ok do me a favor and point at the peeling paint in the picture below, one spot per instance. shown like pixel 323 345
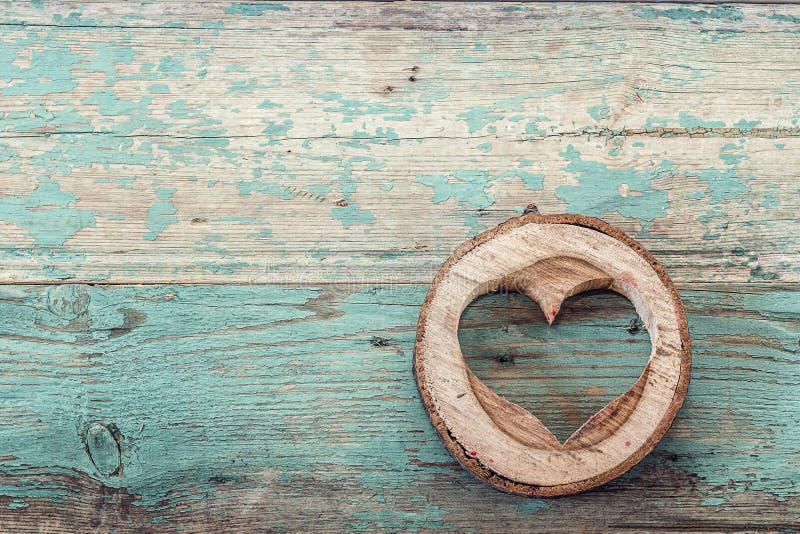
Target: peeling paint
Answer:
pixel 161 214
pixel 47 214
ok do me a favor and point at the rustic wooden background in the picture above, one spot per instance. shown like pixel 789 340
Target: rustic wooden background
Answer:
pixel 218 222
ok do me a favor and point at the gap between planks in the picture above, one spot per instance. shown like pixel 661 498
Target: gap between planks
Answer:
pixel 696 285
pixel 777 132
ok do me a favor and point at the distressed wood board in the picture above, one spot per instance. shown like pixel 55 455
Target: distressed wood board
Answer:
pixel 219 220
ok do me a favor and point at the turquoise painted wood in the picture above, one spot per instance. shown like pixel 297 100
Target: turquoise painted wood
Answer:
pixel 293 407
pixel 218 222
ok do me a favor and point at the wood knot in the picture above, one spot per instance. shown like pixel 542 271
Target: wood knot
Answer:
pixel 104 448
pixel 68 301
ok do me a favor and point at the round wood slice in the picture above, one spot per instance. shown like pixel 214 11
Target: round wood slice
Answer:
pixel 549 258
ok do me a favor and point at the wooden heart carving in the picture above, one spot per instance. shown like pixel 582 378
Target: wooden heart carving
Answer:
pixel 550 258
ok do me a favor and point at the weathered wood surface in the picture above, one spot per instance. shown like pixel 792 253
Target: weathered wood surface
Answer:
pixel 308 143
pixel 346 150
pixel 290 408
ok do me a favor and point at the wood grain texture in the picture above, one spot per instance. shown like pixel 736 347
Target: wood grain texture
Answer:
pixel 220 142
pixel 336 154
pixel 549 258
pixel 289 408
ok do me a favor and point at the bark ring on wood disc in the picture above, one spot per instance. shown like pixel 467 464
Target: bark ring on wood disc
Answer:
pixel 550 258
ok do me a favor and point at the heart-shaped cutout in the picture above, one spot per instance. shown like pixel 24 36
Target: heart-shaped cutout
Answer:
pixel 563 373
pixel 549 282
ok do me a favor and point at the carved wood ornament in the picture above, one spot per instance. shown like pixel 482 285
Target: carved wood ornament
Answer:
pixel 550 258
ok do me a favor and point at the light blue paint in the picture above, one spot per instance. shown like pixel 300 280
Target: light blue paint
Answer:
pixel 276 129
pixel 687 120
pixel 47 214
pixel 600 111
pixel 531 506
pixel 262 234
pixel 723 34
pixel 16 504
pixel 269 104
pixel 723 184
pixel 532 181
pixel 781 17
pixel 732 154
pixel 51 66
pixel 75 18
pixel 533 128
pixel 375 165
pixel 729 13
pixel 746 126
pixel 36 117
pixel 485 147
pixel 481 116
pixel 319 189
pixel 352 109
pixel 107 58
pixel 158 88
pixel 98 149
pixel 7 153
pixel 254 10
pixel 597 191
pixel 352 215
pixel 212 25
pixel 684 120
pixel 171 66
pixel 431 91
pixel 612 78
pixel 264 188
pixel 769 201
pixel 466 187
pixel 161 214
pixel 363 139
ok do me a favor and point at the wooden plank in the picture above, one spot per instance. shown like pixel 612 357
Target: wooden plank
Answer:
pixel 287 408
pixel 297 142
